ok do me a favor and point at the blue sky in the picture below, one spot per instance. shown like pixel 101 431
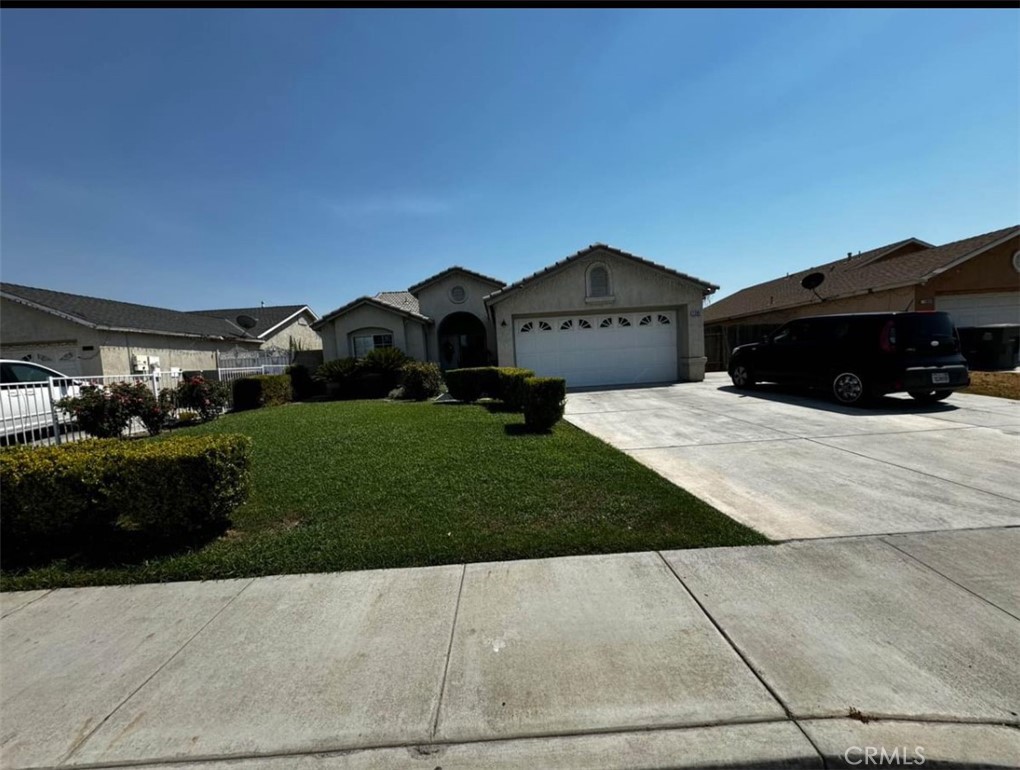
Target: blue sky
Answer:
pixel 193 158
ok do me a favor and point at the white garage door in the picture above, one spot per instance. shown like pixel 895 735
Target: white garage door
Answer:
pixel 604 349
pixel 981 309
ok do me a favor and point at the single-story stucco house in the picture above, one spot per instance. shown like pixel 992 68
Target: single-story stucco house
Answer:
pixel 79 335
pixel 599 317
pixel 976 280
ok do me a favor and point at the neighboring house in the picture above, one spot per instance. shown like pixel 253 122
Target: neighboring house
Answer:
pixel 286 327
pixel 79 335
pixel 976 280
pixel 599 317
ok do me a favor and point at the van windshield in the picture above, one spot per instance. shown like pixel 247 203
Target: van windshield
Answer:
pixel 919 330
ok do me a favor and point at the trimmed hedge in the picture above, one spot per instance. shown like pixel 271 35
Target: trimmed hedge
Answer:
pixel 511 385
pixel 421 380
pixel 262 390
pixel 90 497
pixel 472 383
pixel 543 402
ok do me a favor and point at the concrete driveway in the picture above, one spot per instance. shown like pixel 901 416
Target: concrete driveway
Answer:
pixel 792 465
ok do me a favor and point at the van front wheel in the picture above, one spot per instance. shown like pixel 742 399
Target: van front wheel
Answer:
pixel 930 396
pixel 848 388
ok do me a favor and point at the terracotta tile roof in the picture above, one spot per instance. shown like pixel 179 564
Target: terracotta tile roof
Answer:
pixel 404 300
pixel 124 316
pixel 502 293
pixel 455 269
pixel 902 263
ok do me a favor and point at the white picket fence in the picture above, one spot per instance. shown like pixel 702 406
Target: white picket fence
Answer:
pixel 29 411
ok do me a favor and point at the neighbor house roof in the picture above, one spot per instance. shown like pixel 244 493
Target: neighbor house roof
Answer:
pixel 375 302
pixel 904 263
pixel 450 270
pixel 112 315
pixel 506 290
pixel 269 318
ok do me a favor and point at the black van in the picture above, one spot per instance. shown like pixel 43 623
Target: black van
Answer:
pixel 859 355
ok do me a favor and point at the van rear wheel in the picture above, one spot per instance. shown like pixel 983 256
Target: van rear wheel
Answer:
pixel 930 396
pixel 848 388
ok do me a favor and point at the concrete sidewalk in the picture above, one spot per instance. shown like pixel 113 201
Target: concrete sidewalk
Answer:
pixel 781 655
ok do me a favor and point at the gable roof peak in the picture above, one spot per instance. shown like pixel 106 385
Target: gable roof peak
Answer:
pixel 500 294
pixel 449 271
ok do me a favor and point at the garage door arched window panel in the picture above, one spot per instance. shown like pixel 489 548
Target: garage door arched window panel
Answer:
pixel 583 324
pixel 543 326
pixel 645 321
pixel 525 328
pixel 623 321
pixel 567 325
pixel 606 323
pixel 664 320
pixel 598 282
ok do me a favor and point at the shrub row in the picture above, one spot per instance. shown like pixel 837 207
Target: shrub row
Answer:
pixel 87 496
pixel 262 390
pixel 372 376
pixel 540 398
pixel 378 374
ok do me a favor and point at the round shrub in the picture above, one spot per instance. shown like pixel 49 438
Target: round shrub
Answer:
pixel 421 380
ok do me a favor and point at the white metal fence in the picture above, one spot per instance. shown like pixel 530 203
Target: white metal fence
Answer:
pixel 229 374
pixel 29 411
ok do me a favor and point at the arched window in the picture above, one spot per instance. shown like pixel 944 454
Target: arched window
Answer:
pixel 598 281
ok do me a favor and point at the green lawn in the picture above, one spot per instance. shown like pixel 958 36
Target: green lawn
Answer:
pixel 365 484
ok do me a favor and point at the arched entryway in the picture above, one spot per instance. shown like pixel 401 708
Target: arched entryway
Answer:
pixel 462 341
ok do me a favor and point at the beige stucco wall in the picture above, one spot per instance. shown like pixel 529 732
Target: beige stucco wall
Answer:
pixel 408 334
pixel 434 301
pixel 187 353
pixel 633 286
pixel 294 332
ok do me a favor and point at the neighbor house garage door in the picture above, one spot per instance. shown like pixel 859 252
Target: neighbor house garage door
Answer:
pixel 62 358
pixel 604 349
pixel 981 309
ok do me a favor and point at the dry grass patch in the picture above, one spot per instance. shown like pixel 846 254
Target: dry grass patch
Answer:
pixel 999 384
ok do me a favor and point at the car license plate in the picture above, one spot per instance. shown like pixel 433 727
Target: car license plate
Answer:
pixel 940 378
